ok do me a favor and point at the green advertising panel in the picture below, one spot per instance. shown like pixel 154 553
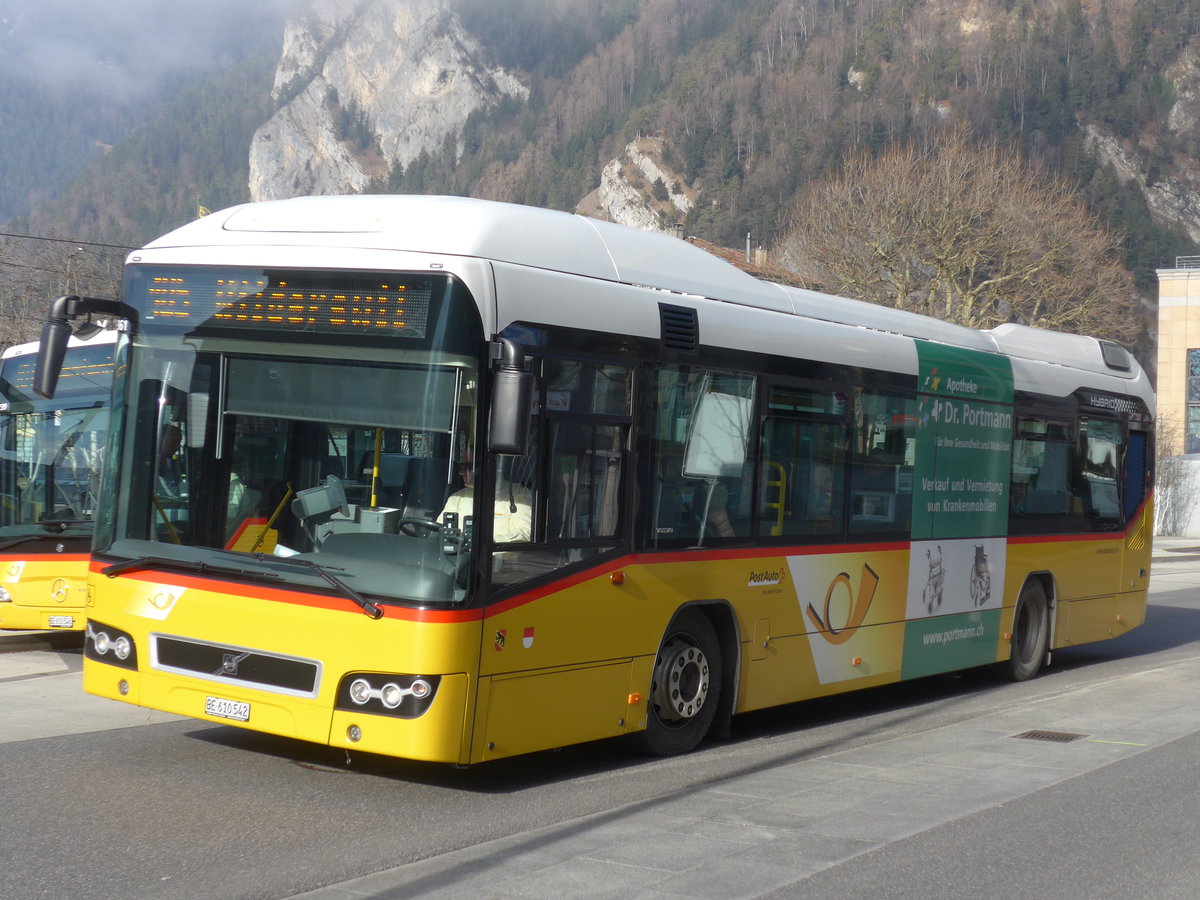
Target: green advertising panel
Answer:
pixel 947 643
pixel 964 443
pixel 959 544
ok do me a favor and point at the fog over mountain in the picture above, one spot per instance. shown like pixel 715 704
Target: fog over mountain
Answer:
pixel 125 47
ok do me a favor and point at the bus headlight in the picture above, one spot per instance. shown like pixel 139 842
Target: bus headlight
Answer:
pixel 360 691
pixel 391 695
pixel 404 696
pixel 103 643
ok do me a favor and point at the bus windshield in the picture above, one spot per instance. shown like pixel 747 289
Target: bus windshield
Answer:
pixel 312 451
pixel 51 451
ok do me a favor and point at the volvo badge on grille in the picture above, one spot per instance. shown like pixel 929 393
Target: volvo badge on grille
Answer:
pixel 230 663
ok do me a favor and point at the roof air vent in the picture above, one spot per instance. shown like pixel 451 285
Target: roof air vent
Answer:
pixel 680 327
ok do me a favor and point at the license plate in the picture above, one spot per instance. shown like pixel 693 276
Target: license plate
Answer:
pixel 227 709
pixel 62 622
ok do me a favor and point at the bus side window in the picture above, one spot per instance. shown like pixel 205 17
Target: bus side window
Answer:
pixel 883 453
pixel 575 497
pixel 1046 494
pixel 702 485
pixel 802 477
pixel 1097 479
pixel 1134 480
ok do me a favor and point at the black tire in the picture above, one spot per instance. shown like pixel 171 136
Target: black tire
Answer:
pixel 1030 632
pixel 685 686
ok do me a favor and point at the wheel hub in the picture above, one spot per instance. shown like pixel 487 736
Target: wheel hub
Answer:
pixel 680 681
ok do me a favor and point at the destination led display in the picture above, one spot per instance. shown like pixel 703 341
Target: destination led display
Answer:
pixel 327 302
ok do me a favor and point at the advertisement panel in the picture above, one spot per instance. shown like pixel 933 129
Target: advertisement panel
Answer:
pixel 960 509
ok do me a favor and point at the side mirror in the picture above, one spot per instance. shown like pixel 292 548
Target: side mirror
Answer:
pixel 512 400
pixel 57 331
pixel 52 349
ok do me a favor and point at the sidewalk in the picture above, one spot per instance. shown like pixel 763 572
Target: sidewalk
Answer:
pixel 1176 548
pixel 750 835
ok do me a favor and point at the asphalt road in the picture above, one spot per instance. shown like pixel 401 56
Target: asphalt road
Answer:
pixel 101 800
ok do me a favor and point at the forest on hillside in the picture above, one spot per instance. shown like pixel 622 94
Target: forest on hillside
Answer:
pixel 756 101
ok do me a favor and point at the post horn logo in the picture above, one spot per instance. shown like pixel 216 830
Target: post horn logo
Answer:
pixel 840 633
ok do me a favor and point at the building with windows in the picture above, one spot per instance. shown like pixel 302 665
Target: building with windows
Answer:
pixel 1177 508
pixel 1179 357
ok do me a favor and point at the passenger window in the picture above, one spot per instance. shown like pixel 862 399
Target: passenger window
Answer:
pixel 1043 498
pixel 1100 441
pixel 702 488
pixel 570 505
pixel 802 474
pixel 883 453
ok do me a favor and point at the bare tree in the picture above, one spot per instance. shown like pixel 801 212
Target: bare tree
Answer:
pixel 36 270
pixel 966 233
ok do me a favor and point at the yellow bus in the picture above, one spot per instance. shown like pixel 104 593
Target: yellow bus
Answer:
pixel 50 458
pixel 454 480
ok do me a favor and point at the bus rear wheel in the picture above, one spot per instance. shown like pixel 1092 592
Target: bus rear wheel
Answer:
pixel 1030 632
pixel 684 687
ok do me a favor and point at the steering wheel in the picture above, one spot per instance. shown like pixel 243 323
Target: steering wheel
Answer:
pixel 415 526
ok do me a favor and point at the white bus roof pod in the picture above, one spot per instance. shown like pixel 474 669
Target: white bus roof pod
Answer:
pixel 462 226
pixel 1075 350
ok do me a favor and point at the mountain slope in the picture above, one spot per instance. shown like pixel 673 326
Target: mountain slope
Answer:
pixel 530 100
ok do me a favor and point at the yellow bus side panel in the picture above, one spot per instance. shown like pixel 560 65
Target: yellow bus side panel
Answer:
pixel 553 709
pixel 787 673
pixel 1099 587
pixel 1080 569
pixel 1100 618
pixel 821 623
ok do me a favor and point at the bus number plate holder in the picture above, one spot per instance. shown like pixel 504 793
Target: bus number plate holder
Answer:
pixel 227 709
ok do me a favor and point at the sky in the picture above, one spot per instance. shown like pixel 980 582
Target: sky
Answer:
pixel 122 46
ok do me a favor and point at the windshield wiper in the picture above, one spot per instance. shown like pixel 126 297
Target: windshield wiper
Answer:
pixel 188 565
pixel 374 610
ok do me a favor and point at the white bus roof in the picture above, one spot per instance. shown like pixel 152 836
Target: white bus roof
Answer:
pixel 568 243
pixel 30 348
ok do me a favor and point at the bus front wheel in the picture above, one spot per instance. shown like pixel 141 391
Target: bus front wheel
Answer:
pixel 684 687
pixel 1030 632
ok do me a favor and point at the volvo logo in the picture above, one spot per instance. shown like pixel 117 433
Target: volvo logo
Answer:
pixel 230 663
pixel 59 590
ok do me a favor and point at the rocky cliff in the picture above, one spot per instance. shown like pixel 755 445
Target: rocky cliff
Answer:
pixel 641 190
pixel 364 85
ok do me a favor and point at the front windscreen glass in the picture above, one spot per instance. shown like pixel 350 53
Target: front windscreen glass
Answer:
pixel 291 451
pixel 51 451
